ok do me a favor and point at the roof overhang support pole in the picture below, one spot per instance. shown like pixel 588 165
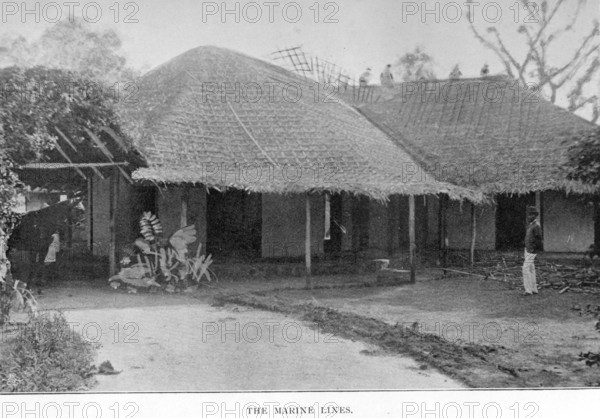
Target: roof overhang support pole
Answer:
pixel 90 212
pixel 473 233
pixel 596 200
pixel 411 237
pixel 70 230
pixel 185 197
pixel 307 245
pixel 539 205
pixel 443 230
pixel 114 204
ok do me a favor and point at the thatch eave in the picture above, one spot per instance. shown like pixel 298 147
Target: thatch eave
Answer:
pixel 565 186
pixel 376 191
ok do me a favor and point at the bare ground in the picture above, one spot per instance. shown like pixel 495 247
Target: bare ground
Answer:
pixel 478 333
pixel 483 333
pixel 187 342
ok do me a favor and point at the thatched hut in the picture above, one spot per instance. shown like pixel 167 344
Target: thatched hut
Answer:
pixel 493 135
pixel 74 167
pixel 266 163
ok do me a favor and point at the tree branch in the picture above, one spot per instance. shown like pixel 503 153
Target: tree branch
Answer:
pixel 493 47
pixel 577 54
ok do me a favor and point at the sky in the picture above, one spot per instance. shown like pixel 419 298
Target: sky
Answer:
pixel 354 34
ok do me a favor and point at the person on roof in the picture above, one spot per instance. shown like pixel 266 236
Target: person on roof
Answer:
pixel 365 78
pixel 456 73
pixel 387 78
pixel 533 246
pixel 485 71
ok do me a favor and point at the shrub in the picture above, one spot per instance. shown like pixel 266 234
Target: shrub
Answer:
pixel 15 296
pixel 154 261
pixel 46 356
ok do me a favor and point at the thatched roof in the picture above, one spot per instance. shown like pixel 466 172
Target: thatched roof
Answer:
pixel 192 131
pixel 70 163
pixel 486 133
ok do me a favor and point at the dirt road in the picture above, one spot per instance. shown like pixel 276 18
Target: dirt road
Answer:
pixel 199 347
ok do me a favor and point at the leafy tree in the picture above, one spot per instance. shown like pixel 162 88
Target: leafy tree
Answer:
pixel 71 45
pixel 47 90
pixel 569 78
pixel 583 162
pixel 414 66
pixel 38 104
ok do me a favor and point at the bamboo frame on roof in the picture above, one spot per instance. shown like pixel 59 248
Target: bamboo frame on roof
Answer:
pixel 62 166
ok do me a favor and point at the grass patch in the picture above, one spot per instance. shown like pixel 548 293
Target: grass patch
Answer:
pixel 46 355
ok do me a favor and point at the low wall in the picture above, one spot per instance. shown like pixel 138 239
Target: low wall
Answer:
pixel 169 208
pixel 568 223
pixel 266 270
pixel 459 226
pixel 284 225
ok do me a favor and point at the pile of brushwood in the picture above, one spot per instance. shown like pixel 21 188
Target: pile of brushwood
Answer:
pixel 581 276
pixel 590 358
pixel 156 262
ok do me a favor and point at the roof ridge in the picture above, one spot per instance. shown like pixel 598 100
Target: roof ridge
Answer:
pixel 497 77
pixel 239 55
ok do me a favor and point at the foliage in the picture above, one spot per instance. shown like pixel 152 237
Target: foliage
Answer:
pixel 71 45
pixel 46 356
pixel 154 261
pixel 583 158
pixel 414 66
pixel 9 185
pixel 37 104
pixel 49 84
pixel 591 359
pixel 150 227
pixel 547 25
pixel 14 295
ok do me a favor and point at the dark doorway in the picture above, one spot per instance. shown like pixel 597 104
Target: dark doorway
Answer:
pixel 143 200
pixel 511 222
pixel 596 223
pixel 360 223
pixel 234 224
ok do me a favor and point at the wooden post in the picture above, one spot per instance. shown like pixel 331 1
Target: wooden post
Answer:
pixel 473 233
pixel 307 245
pixel 392 225
pixel 596 221
pixel 69 231
pixel 440 230
pixel 185 197
pixel 539 205
pixel 114 204
pixel 443 230
pixel 411 237
pixel 90 210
